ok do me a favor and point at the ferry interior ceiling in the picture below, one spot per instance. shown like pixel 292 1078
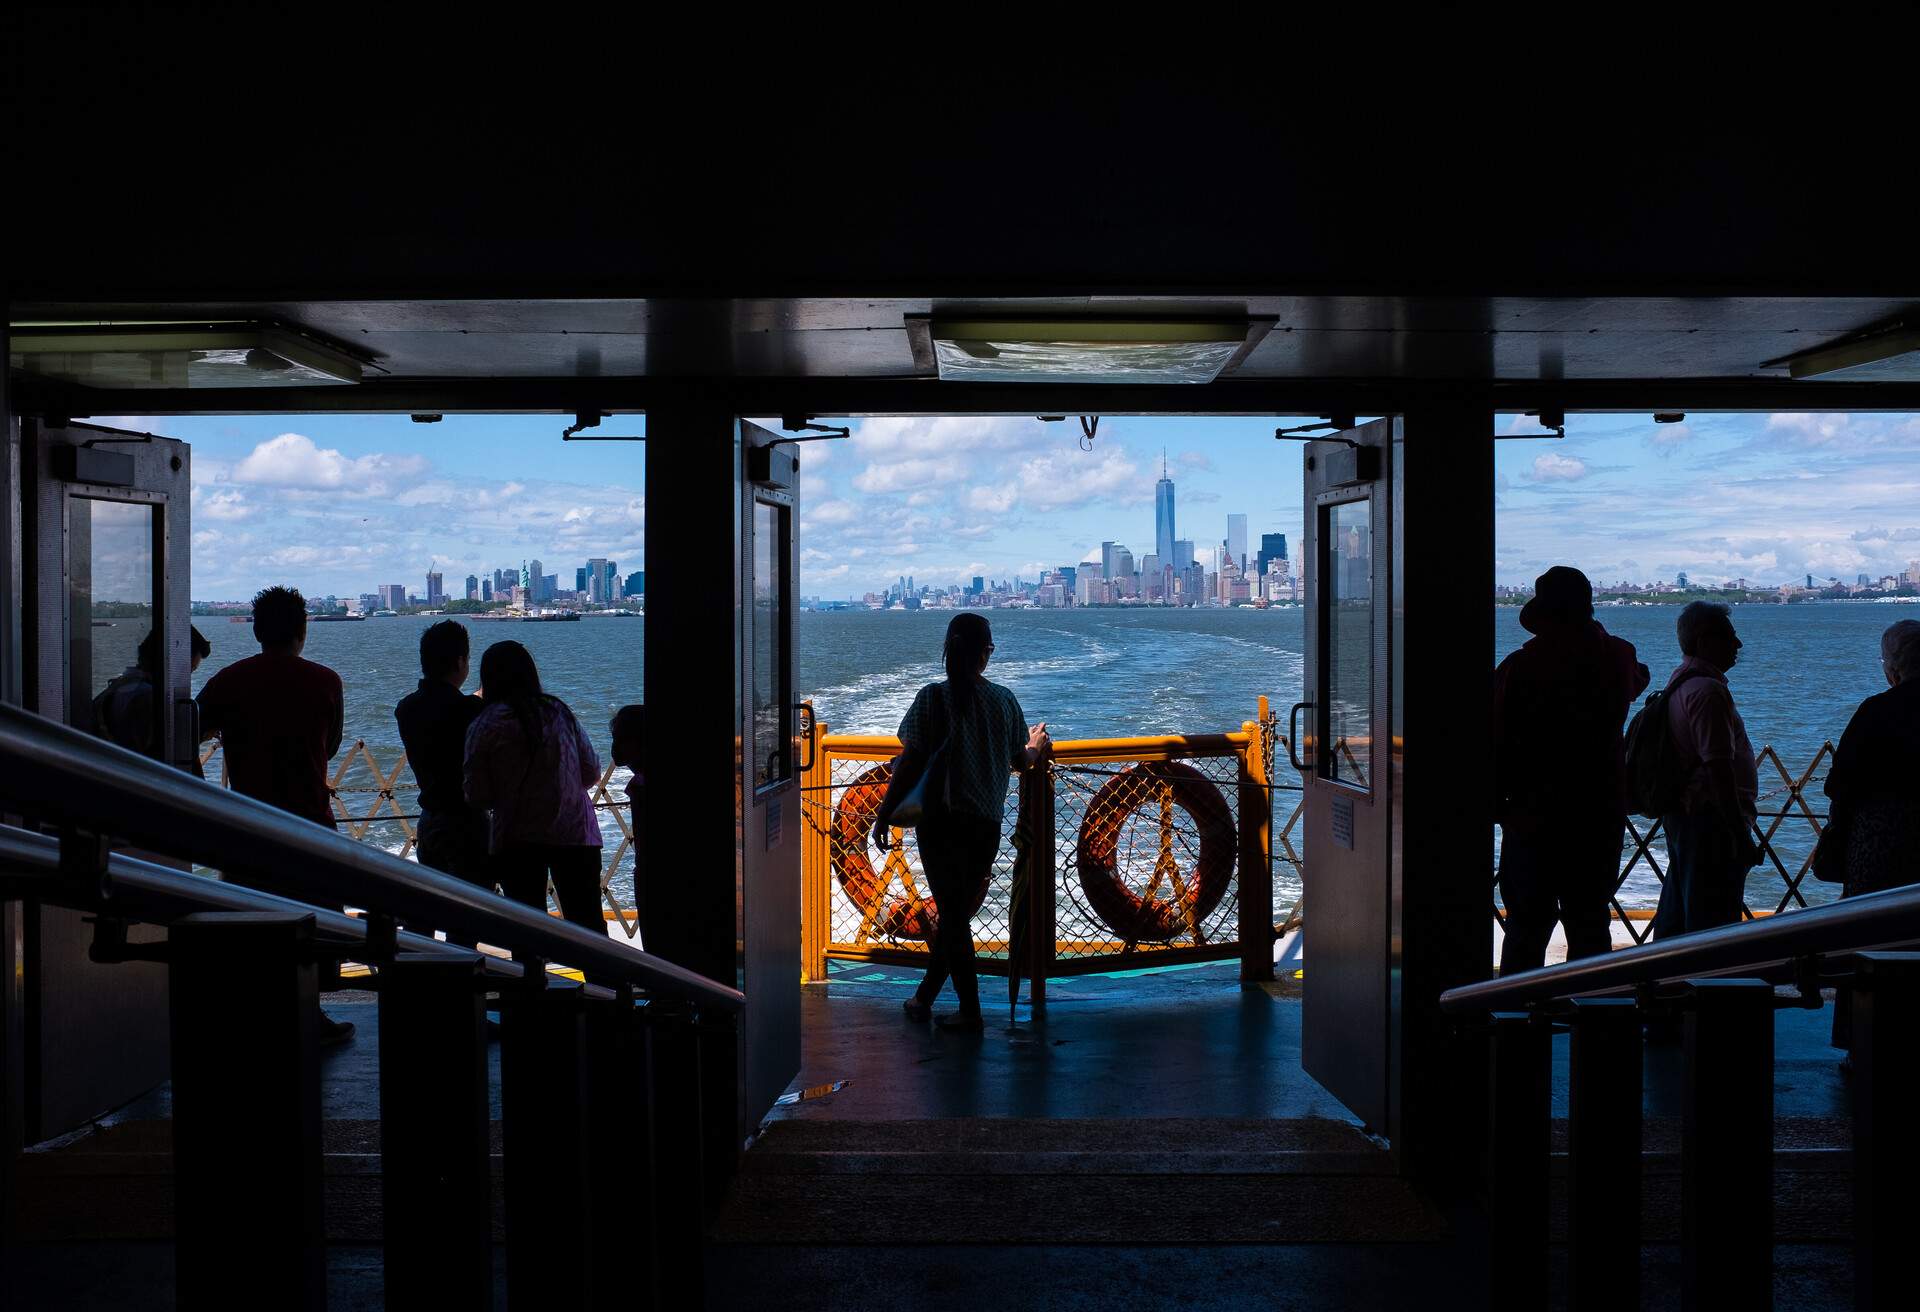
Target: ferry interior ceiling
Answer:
pixel 725 1087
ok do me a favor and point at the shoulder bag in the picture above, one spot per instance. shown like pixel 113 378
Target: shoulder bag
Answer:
pixel 931 796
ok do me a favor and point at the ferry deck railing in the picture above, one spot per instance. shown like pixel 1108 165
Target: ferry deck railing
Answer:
pixel 615 1055
pixel 1141 851
pixel 1722 986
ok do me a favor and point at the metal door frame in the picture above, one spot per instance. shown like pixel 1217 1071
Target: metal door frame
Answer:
pixel 120 1010
pixel 768 929
pixel 1349 830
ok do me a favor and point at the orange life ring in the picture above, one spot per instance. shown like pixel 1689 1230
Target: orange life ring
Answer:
pixel 901 917
pixel 1135 918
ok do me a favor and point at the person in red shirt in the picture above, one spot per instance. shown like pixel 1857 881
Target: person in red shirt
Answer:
pixel 1559 704
pixel 280 720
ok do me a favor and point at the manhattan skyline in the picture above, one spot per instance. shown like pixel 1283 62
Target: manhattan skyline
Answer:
pixel 331 503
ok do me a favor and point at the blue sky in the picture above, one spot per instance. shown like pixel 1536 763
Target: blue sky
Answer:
pixel 339 504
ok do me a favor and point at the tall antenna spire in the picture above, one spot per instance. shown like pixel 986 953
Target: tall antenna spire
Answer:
pixel 1163 462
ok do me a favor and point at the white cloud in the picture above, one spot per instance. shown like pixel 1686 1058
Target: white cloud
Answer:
pixel 992 500
pixel 224 504
pixel 1552 467
pixel 1666 437
pixel 291 460
pixel 906 475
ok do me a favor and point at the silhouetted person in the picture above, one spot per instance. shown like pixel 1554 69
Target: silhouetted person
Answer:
pixel 1559 704
pixel 279 717
pixel 529 762
pixel 987 737
pixel 1874 788
pixel 280 720
pixel 434 719
pixel 1710 845
pixel 629 730
pixel 124 711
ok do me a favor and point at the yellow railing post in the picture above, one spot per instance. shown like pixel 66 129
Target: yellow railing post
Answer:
pixel 1256 854
pixel 816 857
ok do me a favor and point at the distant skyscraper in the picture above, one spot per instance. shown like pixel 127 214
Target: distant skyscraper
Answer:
pixel 1163 513
pixel 473 587
pixel 1182 554
pixel 436 588
pixel 536 581
pixel 1237 539
pixel 598 576
pixel 1273 546
pixel 637 583
pixel 486 589
pixel 393 596
pixel 580 579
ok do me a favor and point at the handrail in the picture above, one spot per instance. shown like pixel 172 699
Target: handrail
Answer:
pixel 55 771
pixel 1855 924
pixel 149 892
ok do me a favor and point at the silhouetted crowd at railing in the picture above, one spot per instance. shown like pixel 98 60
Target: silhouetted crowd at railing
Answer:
pixel 1569 768
pixel 505 773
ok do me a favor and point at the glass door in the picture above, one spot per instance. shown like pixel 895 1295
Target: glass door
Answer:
pixel 770 837
pixel 105 542
pixel 1346 871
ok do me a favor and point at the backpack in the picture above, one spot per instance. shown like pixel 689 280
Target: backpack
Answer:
pixel 1655 779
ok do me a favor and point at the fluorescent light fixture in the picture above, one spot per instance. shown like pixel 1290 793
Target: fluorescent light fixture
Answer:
pixel 1892 356
pixel 1087 350
pixel 229 353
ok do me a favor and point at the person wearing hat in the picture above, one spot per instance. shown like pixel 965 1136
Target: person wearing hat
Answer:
pixel 1559 706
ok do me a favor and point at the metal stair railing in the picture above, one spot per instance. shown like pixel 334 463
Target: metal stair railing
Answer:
pixel 617 1059
pixel 1722 986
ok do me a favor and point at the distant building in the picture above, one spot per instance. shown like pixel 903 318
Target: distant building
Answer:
pixel 1163 531
pixel 537 581
pixel 486 589
pixel 1106 559
pixel 636 585
pixel 1237 540
pixel 1182 554
pixel 1273 546
pixel 580 580
pixel 436 588
pixel 369 601
pixel 473 587
pixel 393 596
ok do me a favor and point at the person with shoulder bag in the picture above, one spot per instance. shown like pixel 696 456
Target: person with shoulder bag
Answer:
pixel 1873 793
pixel 959 740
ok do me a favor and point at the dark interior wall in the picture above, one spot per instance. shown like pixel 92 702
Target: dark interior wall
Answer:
pixel 329 155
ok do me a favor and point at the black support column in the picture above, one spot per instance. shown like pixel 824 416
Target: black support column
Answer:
pixel 1886 1133
pixel 1520 1074
pixel 1726 1146
pixel 1603 1155
pixel 246 1112
pixel 544 1147
pixel 433 1133
pixel 1441 930
pixel 695 717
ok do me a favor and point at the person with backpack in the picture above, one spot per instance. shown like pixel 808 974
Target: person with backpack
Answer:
pixel 1560 777
pixel 1710 785
pixel 964 735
